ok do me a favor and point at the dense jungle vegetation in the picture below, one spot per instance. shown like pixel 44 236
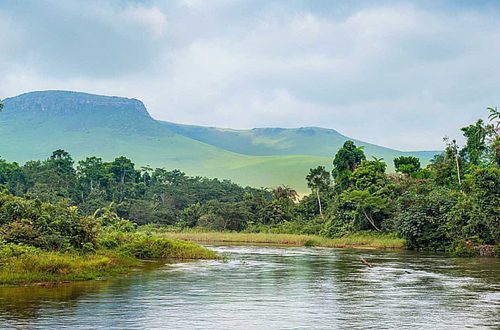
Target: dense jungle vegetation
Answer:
pixel 452 205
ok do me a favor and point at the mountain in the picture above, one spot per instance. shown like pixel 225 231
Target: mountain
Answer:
pixel 313 141
pixel 34 124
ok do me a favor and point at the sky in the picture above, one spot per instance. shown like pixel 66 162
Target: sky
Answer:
pixel 402 74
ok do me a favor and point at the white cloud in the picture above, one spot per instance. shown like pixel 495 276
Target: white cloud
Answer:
pixel 152 18
pixel 402 75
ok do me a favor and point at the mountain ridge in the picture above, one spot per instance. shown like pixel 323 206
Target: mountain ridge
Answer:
pixel 34 124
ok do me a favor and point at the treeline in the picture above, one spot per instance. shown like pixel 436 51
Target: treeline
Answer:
pixel 452 204
pixel 143 195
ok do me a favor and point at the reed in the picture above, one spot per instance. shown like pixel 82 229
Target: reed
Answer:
pixel 358 240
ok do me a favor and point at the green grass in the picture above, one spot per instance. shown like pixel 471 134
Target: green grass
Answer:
pixel 154 247
pixel 359 240
pixel 159 150
pixel 312 141
pixel 53 267
pixel 27 265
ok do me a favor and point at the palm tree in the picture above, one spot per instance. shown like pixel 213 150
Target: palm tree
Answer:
pixel 494 115
pixel 380 164
pixel 285 192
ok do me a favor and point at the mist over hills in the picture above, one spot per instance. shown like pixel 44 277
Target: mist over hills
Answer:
pixel 34 124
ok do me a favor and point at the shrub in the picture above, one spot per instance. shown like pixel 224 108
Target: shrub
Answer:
pixel 152 247
pixel 422 219
pixel 8 250
pixel 22 231
pixel 463 248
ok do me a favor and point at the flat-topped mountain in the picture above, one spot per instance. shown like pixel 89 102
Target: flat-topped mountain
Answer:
pixel 64 102
pixel 34 124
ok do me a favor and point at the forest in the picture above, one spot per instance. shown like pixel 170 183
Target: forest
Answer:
pixel 451 205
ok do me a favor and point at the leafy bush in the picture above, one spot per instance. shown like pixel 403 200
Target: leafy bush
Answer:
pixel 8 250
pixel 422 219
pixel 152 247
pixel 45 225
pixel 463 248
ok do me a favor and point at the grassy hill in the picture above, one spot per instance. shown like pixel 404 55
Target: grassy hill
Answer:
pixel 314 141
pixel 34 124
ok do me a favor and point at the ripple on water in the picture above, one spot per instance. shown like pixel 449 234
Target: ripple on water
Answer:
pixel 273 287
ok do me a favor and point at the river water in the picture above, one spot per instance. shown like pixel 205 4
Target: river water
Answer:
pixel 273 288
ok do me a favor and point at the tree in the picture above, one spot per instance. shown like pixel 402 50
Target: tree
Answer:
pixel 347 159
pixel 61 160
pixel 55 176
pixel 285 193
pixel 422 218
pixel 1 106
pixel 494 115
pixel 318 180
pixel 495 146
pixel 452 151
pixel 367 194
pixel 164 177
pixel 13 177
pixel 407 164
pixel 123 172
pixel 486 197
pixel 224 216
pixel 92 173
pixel 367 204
pixel 475 146
pixel 370 175
pixel 146 176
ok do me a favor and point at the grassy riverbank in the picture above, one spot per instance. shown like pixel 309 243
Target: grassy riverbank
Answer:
pixel 23 265
pixel 359 240
pixel 55 267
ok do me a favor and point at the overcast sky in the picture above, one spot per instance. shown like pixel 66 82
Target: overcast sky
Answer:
pixel 398 73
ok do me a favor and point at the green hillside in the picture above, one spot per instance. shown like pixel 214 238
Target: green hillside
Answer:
pixel 32 125
pixel 314 141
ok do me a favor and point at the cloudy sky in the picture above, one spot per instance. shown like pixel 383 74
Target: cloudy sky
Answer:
pixel 398 73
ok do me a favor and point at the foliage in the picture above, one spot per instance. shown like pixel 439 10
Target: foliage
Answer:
pixel 153 247
pixel 475 148
pixel 421 218
pixel 360 239
pixel 318 180
pixel 51 266
pixel 407 165
pixel 54 205
pixel 347 159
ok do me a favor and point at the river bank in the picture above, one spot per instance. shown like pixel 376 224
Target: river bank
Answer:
pixel 25 265
pixel 261 287
pixel 359 240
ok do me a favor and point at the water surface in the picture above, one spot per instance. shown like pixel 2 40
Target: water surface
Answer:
pixel 274 287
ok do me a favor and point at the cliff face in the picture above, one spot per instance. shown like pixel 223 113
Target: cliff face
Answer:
pixel 67 103
pixel 78 112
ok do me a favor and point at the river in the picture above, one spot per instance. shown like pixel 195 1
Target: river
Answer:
pixel 261 287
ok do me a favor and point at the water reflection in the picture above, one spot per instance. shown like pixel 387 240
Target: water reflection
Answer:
pixel 25 303
pixel 274 287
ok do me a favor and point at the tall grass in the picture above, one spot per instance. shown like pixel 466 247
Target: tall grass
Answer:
pixel 358 240
pixel 119 252
pixel 153 247
pixel 53 267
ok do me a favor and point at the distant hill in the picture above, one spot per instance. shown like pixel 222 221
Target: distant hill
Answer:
pixel 34 124
pixel 313 141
